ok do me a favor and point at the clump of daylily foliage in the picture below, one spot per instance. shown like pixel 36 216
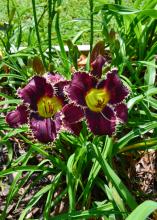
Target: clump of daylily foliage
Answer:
pixel 51 104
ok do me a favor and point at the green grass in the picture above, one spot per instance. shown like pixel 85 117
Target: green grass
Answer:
pixel 74 19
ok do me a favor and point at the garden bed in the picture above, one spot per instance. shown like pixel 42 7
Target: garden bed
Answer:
pixel 78 117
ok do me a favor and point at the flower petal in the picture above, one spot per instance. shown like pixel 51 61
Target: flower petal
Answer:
pixel 118 92
pixel 74 128
pixel 102 123
pixel 121 112
pixel 44 129
pixel 58 121
pixel 97 66
pixel 60 90
pixel 72 113
pixel 53 78
pixel 80 84
pixel 48 90
pixel 17 117
pixel 36 88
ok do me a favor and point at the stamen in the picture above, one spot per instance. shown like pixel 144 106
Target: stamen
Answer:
pixel 48 106
pixel 44 107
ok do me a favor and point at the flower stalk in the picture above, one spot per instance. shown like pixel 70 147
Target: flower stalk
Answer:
pixel 51 14
pixel 37 32
pixel 49 28
pixel 91 25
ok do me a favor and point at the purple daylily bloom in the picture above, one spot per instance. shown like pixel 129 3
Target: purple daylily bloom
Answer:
pixel 43 108
pixel 102 100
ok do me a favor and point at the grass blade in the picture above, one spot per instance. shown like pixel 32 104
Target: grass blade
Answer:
pixel 116 181
pixel 143 211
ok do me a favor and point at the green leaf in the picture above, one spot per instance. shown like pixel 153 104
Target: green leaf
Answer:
pixel 120 9
pixel 10 101
pixel 70 182
pixel 10 151
pixel 34 200
pixel 143 211
pixel 39 148
pixel 123 10
pixel 23 168
pixel 14 131
pixel 14 188
pixel 12 76
pixel 64 57
pixel 150 75
pixel 139 98
pixel 149 12
pixel 11 14
pixel 116 181
pixel 106 152
pixel 146 144
pixel 95 212
pixel 54 184
pixel 147 63
pixel 142 129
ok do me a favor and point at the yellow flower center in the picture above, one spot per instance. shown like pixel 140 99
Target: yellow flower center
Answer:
pixel 96 99
pixel 47 106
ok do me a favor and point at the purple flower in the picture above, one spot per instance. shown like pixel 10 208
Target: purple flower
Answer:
pixel 102 100
pixel 43 108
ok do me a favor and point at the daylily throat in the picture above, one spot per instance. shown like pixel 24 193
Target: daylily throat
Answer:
pixel 96 99
pixel 48 106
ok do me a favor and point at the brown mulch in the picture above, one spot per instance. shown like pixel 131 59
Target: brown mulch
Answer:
pixel 139 172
